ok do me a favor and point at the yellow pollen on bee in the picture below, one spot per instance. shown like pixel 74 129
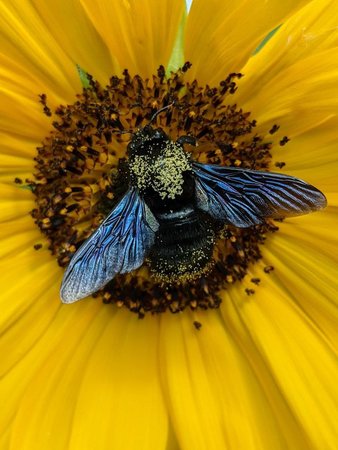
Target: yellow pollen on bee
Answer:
pixel 165 173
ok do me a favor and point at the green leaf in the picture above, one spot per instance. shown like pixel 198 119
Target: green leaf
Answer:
pixel 83 76
pixel 27 187
pixel 266 39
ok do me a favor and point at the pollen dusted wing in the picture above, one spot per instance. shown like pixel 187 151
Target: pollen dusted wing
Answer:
pixel 245 197
pixel 119 245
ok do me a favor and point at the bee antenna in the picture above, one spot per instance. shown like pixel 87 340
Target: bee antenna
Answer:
pixel 159 112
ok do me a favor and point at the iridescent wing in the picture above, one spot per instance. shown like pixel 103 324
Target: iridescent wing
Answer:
pixel 119 245
pixel 245 197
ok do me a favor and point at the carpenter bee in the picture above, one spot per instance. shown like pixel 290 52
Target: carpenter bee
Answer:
pixel 169 215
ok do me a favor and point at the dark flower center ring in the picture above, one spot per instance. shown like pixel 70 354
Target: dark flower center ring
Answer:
pixel 81 176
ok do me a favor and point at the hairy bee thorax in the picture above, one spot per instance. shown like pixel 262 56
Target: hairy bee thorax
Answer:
pixel 158 163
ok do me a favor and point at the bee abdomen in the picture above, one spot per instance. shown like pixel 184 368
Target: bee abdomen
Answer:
pixel 183 247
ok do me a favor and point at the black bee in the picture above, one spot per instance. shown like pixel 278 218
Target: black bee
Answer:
pixel 170 214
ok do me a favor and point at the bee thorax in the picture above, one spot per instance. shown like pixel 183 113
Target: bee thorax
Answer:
pixel 163 172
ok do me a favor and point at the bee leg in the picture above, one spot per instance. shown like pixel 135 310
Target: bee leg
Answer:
pixel 186 140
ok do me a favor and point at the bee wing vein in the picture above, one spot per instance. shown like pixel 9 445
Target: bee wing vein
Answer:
pixel 119 245
pixel 245 197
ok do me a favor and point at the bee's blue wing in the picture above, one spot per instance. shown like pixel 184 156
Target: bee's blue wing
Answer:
pixel 245 197
pixel 119 245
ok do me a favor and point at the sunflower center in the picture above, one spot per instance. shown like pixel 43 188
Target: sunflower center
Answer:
pixel 88 163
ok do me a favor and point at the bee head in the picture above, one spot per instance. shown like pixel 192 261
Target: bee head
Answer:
pixel 147 141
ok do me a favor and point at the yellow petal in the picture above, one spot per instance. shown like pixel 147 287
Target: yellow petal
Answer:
pixel 221 36
pixel 26 319
pixel 332 199
pixel 122 377
pixel 140 35
pixel 189 392
pixel 18 236
pixel 209 380
pixel 290 433
pixel 305 255
pixel 298 356
pixel 28 43
pixel 5 439
pixel 308 32
pixel 16 202
pixel 72 30
pixel 55 361
pixel 21 115
pixel 97 383
pixel 16 163
pixel 320 144
pixel 298 97
pixel 318 165
pixel 46 42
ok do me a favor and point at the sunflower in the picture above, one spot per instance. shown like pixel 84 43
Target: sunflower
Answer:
pixel 247 363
